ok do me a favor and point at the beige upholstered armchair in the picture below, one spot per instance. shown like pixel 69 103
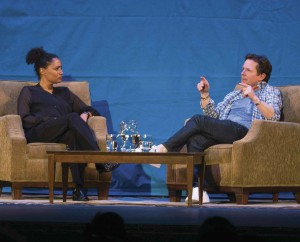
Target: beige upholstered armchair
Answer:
pixel 25 164
pixel 266 160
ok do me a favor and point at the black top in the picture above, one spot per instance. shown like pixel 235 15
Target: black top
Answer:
pixel 35 105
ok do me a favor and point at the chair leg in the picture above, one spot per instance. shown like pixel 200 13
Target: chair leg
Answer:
pixel 297 196
pixel 175 195
pixel 242 197
pixel 103 190
pixel 16 193
pixel 275 197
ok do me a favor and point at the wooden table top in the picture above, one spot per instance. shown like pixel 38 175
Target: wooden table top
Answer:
pixel 127 157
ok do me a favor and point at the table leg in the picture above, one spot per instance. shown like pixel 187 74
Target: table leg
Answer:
pixel 190 176
pixel 201 172
pixel 51 172
pixel 65 174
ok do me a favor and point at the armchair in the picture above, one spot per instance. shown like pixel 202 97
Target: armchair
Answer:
pixel 25 164
pixel 266 160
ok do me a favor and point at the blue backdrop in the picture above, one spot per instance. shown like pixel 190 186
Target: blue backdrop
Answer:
pixel 143 58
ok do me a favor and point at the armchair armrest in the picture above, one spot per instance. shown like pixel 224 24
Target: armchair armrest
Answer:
pixel 270 151
pixel 98 126
pixel 12 148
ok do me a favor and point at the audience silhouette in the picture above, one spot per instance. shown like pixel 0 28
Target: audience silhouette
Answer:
pixel 9 234
pixel 106 227
pixel 217 227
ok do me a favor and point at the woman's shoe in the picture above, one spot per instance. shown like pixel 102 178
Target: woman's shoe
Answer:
pixel 79 194
pixel 110 166
pixel 107 167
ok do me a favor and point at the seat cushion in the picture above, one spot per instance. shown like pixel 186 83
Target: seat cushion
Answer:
pixel 38 150
pixel 218 161
pixel 218 154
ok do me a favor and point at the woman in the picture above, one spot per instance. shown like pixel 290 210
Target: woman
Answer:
pixel 54 114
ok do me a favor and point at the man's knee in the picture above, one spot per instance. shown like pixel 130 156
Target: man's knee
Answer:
pixel 197 117
pixel 196 120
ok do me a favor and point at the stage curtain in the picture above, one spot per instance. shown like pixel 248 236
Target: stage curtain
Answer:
pixel 143 59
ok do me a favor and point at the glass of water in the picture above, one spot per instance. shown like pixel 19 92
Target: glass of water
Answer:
pixel 111 142
pixel 146 142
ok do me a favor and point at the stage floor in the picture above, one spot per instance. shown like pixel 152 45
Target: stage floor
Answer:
pixel 152 210
pixel 154 216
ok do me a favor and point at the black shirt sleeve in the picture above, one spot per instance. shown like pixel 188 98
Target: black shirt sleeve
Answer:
pixel 35 105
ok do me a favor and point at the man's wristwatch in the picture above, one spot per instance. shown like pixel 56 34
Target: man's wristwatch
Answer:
pixel 257 103
pixel 204 98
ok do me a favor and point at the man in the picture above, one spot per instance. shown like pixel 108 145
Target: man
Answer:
pixel 231 119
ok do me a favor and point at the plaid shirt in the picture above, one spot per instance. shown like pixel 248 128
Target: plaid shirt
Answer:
pixel 265 93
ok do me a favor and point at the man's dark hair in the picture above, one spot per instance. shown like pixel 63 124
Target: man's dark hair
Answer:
pixel 264 65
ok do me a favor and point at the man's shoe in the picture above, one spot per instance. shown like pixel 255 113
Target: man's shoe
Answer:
pixel 153 148
pixel 79 194
pixel 195 196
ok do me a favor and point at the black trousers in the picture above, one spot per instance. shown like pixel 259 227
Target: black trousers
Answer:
pixel 71 130
pixel 201 132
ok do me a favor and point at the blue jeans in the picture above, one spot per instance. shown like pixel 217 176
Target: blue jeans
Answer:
pixel 201 132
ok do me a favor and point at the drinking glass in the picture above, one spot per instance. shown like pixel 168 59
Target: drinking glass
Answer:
pixel 123 127
pixel 132 126
pixel 111 142
pixel 146 143
pixel 130 136
pixel 126 143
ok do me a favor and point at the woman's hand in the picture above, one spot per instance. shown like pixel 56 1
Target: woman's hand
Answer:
pixel 85 116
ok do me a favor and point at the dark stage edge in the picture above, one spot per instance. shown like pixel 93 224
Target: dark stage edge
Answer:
pixel 44 222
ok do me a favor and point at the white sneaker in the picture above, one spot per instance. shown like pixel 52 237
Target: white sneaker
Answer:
pixel 153 148
pixel 160 148
pixel 195 196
